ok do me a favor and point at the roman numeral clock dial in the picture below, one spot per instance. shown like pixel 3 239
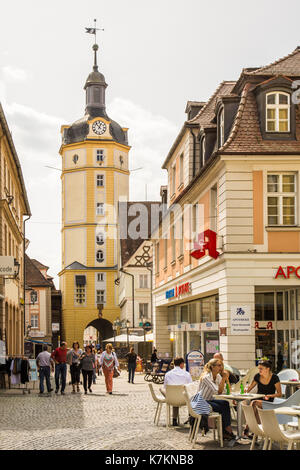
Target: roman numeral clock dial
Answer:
pixel 99 127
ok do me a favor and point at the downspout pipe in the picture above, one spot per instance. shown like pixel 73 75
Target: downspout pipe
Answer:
pixel 132 276
pixel 24 270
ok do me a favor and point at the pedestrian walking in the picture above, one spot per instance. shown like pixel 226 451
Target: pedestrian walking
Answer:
pixel 109 362
pixel 131 357
pixel 60 357
pixel 88 364
pixel 74 360
pixel 45 364
pixel 154 356
pixel 95 368
pixel 98 355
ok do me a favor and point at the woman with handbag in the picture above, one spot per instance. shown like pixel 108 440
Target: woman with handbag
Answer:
pixel 74 361
pixel 88 364
pixel 109 362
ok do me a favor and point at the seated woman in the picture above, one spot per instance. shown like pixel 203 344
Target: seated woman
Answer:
pixel 268 384
pixel 212 382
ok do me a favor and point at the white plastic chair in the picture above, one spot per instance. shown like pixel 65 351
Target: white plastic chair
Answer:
pixel 160 400
pixel 217 417
pixel 253 425
pixel 287 374
pixel 272 430
pixel 174 398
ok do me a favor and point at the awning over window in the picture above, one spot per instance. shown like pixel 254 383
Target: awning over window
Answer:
pixel 80 280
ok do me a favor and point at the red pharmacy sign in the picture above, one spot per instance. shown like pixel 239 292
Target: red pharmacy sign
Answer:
pixel 206 244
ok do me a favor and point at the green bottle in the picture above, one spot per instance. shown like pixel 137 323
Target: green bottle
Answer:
pixel 227 389
pixel 242 388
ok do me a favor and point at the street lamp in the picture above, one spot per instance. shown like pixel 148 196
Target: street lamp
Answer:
pixel 116 323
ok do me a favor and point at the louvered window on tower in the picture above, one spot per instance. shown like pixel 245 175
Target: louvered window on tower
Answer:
pixel 80 292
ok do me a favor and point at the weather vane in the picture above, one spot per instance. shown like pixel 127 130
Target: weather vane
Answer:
pixel 94 30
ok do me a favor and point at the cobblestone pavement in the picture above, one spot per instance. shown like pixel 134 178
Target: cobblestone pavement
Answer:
pixel 122 421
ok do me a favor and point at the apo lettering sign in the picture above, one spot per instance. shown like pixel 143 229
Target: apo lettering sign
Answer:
pixel 240 320
pixel 287 272
pixel 179 290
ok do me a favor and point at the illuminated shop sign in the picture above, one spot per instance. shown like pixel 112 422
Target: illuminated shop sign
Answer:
pixel 206 245
pixel 179 290
pixel 287 272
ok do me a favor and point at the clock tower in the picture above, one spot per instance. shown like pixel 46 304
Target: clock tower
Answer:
pixel 95 177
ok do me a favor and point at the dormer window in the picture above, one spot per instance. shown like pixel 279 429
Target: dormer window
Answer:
pixel 221 127
pixel 277 112
pixel 203 143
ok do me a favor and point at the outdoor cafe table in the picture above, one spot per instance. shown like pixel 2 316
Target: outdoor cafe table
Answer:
pixel 248 397
pixel 291 383
pixel 289 410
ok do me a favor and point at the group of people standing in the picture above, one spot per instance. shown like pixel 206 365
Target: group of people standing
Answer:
pixel 87 362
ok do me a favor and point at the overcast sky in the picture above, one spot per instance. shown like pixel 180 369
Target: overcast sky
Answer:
pixel 154 55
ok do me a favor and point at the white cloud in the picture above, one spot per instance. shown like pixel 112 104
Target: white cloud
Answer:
pixel 151 137
pixel 14 73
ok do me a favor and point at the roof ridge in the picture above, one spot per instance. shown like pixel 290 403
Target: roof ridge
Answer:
pixel 282 59
pixel 224 82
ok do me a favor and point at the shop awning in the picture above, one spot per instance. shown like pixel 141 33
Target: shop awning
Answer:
pixel 36 341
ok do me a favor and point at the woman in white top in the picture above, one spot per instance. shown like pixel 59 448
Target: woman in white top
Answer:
pixel 212 382
pixel 108 362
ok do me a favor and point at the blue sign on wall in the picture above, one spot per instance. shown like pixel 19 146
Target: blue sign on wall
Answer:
pixel 170 293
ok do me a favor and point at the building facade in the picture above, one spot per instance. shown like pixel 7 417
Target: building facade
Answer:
pixel 14 207
pixel 38 305
pixel 95 177
pixel 226 257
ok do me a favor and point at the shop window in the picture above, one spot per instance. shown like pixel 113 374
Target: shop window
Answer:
pixel 172 319
pixel 264 307
pixel 184 314
pixel 279 302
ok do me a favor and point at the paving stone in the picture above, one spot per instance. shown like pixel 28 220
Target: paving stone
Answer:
pixel 122 421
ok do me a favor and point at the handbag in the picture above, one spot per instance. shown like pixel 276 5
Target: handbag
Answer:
pixel 116 373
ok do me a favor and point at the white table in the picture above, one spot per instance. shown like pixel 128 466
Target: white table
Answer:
pixel 288 410
pixel 248 397
pixel 291 383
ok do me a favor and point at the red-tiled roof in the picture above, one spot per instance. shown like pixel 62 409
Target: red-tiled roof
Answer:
pixel 245 136
pixel 33 276
pixel 288 65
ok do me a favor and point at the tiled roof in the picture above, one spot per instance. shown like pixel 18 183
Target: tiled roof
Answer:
pixel 39 265
pixel 34 277
pixel 245 136
pixel 288 65
pixel 207 113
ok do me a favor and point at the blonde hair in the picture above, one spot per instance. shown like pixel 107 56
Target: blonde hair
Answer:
pixel 209 367
pixel 109 346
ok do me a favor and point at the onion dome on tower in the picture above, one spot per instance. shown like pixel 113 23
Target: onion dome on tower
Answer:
pixel 95 87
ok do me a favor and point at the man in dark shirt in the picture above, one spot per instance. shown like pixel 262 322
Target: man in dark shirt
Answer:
pixel 60 357
pixel 154 356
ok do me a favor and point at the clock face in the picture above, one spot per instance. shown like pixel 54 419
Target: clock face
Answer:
pixel 99 127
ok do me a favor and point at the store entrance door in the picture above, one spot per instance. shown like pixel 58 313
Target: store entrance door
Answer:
pixel 265 344
pixel 211 344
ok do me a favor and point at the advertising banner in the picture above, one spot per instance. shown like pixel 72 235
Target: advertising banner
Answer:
pixel 195 363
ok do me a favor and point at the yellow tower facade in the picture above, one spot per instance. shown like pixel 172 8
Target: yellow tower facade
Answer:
pixel 95 177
